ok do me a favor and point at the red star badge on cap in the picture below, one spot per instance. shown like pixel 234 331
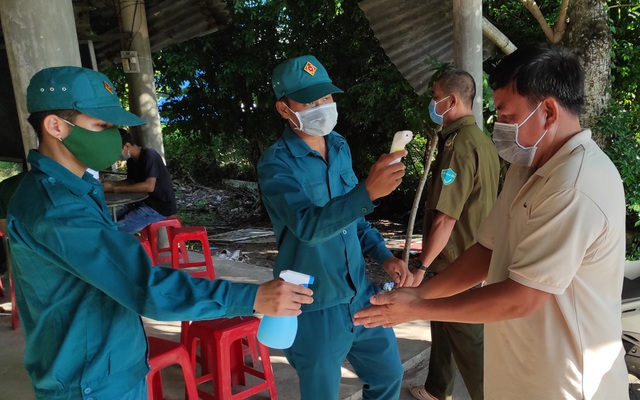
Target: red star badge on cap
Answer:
pixel 310 68
pixel 108 87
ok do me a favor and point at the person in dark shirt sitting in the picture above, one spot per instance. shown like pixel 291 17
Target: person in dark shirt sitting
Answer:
pixel 146 172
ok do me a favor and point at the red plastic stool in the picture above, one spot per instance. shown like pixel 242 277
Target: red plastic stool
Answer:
pixel 143 239
pixel 144 233
pixel 163 353
pixel 222 357
pixel 178 239
pixel 152 232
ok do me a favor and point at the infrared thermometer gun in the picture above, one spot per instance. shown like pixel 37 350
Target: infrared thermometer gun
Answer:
pixel 400 140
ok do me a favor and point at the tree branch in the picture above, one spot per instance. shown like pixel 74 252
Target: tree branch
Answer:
pixel 497 37
pixel 533 8
pixel 561 24
pixel 433 141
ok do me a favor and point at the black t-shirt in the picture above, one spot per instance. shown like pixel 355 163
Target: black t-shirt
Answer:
pixel 150 165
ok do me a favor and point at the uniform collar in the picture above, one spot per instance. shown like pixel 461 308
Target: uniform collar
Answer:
pixel 457 124
pixel 575 141
pixel 46 165
pixel 299 148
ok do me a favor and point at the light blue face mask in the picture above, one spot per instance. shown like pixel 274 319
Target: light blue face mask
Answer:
pixel 435 117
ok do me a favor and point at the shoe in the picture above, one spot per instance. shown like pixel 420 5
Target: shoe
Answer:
pixel 420 393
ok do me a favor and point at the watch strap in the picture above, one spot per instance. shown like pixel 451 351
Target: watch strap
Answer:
pixel 418 265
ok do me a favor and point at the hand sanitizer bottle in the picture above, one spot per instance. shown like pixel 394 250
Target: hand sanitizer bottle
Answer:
pixel 280 332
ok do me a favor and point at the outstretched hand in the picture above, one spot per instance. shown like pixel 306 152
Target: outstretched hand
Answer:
pixel 398 271
pixel 277 297
pixel 385 177
pixel 390 308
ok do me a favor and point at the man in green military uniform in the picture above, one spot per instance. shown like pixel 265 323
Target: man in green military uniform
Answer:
pixel 82 285
pixel 463 189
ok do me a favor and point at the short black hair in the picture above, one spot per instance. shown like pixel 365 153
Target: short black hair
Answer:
pixel 459 82
pixel 541 71
pixel 126 136
pixel 37 118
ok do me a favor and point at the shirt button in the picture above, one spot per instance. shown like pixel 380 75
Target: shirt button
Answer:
pixel 94 191
pixel 87 391
pixel 364 210
pixel 344 232
pixel 52 179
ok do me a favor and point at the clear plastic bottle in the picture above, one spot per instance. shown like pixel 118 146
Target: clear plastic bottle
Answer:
pixel 280 332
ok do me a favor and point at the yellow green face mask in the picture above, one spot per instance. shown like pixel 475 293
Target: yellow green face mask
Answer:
pixel 95 149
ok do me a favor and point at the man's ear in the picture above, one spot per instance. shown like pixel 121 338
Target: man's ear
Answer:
pixel 550 107
pixel 282 108
pixel 53 125
pixel 454 100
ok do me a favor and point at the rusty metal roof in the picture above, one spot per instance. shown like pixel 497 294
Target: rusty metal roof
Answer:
pixel 169 22
pixel 413 33
pixel 416 35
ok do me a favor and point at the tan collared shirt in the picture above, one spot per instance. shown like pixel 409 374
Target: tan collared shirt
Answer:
pixel 560 229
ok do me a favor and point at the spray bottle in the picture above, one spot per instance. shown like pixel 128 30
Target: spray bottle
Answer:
pixel 280 332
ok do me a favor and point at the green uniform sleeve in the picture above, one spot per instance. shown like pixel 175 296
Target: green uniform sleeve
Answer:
pixel 453 182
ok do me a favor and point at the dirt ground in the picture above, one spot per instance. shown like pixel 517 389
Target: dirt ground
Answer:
pixel 229 208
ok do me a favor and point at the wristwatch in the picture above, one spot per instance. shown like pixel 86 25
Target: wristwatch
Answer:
pixel 418 265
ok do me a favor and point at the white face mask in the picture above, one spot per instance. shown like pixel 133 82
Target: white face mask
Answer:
pixel 317 121
pixel 505 137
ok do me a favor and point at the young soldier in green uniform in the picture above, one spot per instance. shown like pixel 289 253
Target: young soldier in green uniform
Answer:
pixel 462 192
pixel 318 211
pixel 82 285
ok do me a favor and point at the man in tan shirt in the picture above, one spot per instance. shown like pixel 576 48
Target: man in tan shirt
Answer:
pixel 551 250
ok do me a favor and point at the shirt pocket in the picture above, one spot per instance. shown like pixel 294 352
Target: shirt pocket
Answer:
pixel 349 180
pixel 316 191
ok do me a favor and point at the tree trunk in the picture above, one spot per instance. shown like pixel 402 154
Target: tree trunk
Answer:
pixel 588 31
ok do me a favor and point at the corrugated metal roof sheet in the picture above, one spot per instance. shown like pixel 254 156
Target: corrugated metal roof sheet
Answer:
pixel 414 34
pixel 169 22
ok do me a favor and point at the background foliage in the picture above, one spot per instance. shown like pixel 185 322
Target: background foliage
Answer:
pixel 220 114
pixel 619 124
pixel 218 109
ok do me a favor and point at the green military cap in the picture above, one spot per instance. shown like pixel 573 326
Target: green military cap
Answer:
pixel 302 79
pixel 81 89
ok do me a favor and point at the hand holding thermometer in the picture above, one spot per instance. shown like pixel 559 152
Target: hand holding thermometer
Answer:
pixel 400 140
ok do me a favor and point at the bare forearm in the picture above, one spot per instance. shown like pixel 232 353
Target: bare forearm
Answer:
pixel 439 235
pixel 467 271
pixel 127 186
pixel 497 302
